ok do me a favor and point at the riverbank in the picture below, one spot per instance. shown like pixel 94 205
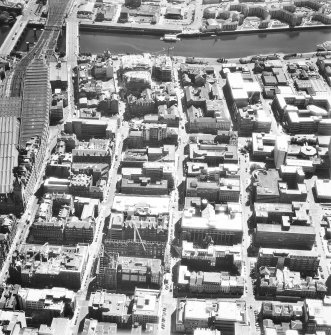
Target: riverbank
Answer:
pixel 161 30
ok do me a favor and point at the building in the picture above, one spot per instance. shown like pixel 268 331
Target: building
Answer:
pixel 108 307
pixel 61 219
pixel 12 322
pixel 8 227
pixel 281 150
pixel 93 327
pixel 304 114
pixel 269 187
pixel 126 273
pixel 213 153
pixel 174 13
pixel 201 170
pixel 204 223
pixel 282 284
pixel 51 265
pixel 44 305
pixel 275 213
pixel 241 93
pixel 147 215
pixel 86 129
pixel 93 151
pixel 144 186
pixel 150 227
pixel 196 313
pixel 215 117
pixel 252 118
pixel 204 284
pixel 301 261
pixel 263 145
pixel 58 75
pixel 138 157
pixel 323 190
pixel 316 315
pixel 227 258
pixel 143 309
pixel 139 271
pixel 282 312
pixel 146 306
pixel 162 69
pixel 284 235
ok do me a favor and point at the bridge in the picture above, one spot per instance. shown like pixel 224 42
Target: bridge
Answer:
pixel 46 42
pixel 13 36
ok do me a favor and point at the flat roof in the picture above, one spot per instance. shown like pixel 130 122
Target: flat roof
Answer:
pixel 196 310
pixel 152 204
pixel 276 228
pixel 223 218
pixel 323 188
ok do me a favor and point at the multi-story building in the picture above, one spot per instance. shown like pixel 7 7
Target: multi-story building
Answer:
pixel 126 273
pixel 282 284
pixel 61 220
pixel 146 306
pixel 302 261
pixel 252 118
pixel 8 226
pixel 222 315
pixel 323 190
pixel 222 190
pixel 142 105
pixel 108 307
pixel 263 145
pixel 38 266
pixel 284 235
pixel 93 151
pixel 44 305
pixel 93 327
pixel 269 187
pixel 296 212
pixel 221 257
pixel 213 153
pixel 86 129
pixel 138 157
pixel 226 170
pixel 215 117
pixel 221 224
pixel 241 93
pixel 282 312
pixel 144 186
pixel 147 215
pixel 162 69
pixel 139 271
pixel 317 315
pixel 15 319
pixel 202 284
pixel 304 114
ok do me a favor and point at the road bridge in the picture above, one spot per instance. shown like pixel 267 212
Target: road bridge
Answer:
pixel 14 36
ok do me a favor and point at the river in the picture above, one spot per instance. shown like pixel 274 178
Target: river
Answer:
pixel 227 46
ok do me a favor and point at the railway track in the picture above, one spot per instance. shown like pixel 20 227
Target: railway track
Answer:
pixel 47 41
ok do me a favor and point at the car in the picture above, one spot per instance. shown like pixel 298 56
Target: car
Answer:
pixel 221 60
